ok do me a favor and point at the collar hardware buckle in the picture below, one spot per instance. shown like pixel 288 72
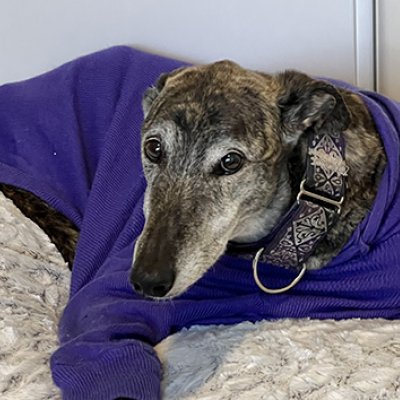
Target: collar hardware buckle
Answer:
pixel 304 192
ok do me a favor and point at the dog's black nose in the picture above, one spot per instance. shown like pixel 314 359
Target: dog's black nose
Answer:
pixel 154 284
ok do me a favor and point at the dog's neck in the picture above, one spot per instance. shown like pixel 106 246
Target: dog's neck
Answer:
pixel 317 205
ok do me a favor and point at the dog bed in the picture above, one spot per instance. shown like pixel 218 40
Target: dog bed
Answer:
pixel 286 359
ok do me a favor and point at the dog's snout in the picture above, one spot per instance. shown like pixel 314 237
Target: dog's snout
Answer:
pixel 155 284
pixel 154 259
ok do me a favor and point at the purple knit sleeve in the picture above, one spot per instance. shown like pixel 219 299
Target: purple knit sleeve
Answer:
pixel 107 335
pixel 107 372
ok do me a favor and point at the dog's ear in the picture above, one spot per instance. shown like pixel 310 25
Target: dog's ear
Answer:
pixel 152 93
pixel 305 102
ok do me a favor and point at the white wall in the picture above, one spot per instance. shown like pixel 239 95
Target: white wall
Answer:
pixel 317 36
pixel 388 44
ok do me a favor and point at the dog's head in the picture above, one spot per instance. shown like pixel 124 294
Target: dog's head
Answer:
pixel 215 146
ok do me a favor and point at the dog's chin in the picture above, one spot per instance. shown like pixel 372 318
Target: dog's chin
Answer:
pixel 181 285
pixel 176 291
pixel 171 295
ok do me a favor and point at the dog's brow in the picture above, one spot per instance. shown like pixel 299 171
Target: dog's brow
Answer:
pixel 222 147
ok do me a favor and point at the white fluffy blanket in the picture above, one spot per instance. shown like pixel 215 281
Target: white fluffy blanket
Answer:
pixel 289 359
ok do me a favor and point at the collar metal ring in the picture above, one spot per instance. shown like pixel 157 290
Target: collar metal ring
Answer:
pixel 274 291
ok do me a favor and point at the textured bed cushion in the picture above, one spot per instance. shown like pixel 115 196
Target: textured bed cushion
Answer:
pixel 33 289
pixel 297 359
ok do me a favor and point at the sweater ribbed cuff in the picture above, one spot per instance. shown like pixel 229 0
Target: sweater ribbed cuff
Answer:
pixel 132 371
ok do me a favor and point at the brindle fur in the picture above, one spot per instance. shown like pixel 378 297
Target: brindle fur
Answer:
pixel 61 231
pixel 200 114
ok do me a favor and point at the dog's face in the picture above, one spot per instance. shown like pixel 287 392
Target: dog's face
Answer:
pixel 215 144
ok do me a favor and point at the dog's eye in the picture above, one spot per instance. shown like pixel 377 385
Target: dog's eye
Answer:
pixel 152 150
pixel 230 164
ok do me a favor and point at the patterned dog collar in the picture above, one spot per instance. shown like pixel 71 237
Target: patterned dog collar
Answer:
pixel 317 208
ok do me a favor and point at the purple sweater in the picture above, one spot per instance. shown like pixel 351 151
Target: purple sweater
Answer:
pixel 72 136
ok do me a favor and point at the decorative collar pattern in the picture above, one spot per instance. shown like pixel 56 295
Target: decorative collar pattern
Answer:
pixel 316 210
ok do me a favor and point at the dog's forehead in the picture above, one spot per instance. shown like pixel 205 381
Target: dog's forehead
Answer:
pixel 180 127
pixel 211 107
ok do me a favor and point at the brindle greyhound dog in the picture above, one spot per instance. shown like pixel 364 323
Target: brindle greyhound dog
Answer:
pixel 224 151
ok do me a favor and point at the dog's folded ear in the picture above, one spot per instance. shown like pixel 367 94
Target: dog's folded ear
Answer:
pixel 152 92
pixel 305 102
